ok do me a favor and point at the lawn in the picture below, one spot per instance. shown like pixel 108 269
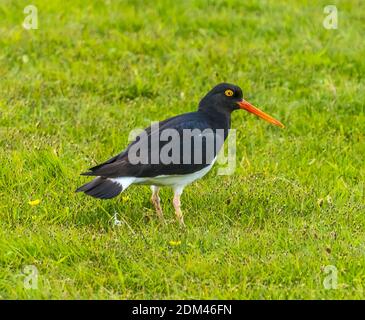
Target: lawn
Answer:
pixel 72 90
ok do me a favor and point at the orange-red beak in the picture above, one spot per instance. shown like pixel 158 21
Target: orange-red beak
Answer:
pixel 250 108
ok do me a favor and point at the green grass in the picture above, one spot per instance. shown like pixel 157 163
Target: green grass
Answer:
pixel 72 91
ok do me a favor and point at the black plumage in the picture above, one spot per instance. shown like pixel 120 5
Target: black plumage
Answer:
pixel 189 161
pixel 101 188
pixel 210 115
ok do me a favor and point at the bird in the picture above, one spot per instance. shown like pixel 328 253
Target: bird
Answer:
pixel 165 155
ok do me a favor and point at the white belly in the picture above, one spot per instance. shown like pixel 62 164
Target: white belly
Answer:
pixel 173 180
pixel 164 180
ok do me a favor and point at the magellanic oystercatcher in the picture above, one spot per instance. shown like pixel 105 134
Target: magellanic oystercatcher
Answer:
pixel 174 152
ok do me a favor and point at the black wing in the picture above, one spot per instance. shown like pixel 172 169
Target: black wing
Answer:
pixel 130 163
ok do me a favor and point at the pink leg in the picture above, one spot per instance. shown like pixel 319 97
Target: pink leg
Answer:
pixel 156 202
pixel 177 205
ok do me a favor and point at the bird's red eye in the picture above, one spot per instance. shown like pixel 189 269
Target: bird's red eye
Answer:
pixel 228 93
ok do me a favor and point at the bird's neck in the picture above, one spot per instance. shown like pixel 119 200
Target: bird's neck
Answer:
pixel 219 119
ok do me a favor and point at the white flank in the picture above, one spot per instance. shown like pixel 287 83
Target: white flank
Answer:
pixel 164 180
pixel 174 180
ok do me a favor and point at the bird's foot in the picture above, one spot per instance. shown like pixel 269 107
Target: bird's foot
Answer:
pixel 180 217
pixel 181 222
pixel 177 206
pixel 156 202
pixel 161 218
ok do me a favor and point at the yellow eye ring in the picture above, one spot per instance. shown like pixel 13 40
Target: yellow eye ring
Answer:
pixel 228 93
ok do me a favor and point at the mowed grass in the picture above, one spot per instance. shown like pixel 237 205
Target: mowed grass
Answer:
pixel 72 91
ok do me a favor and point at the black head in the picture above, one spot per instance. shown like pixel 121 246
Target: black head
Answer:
pixel 222 98
pixel 225 98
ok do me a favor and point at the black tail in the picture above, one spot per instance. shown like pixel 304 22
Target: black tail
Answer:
pixel 101 188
